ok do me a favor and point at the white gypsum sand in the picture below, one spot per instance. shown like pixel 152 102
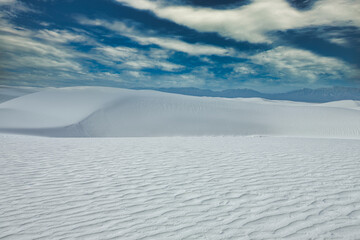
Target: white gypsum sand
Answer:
pixel 179 188
pixel 290 170
pixel 112 112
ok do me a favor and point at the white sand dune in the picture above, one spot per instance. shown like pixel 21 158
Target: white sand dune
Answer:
pixel 203 187
pixel 179 188
pixel 112 112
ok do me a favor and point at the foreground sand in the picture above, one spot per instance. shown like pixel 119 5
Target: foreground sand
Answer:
pixel 179 188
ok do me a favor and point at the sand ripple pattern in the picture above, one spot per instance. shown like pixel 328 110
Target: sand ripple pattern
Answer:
pixel 179 188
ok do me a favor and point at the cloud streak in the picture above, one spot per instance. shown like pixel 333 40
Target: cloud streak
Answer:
pixel 290 64
pixel 49 57
pixel 146 38
pixel 254 21
pixel 134 59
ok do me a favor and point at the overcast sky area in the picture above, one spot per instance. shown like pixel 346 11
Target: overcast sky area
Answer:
pixel 270 46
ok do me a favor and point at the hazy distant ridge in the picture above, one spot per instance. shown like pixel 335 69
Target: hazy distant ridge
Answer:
pixel 303 95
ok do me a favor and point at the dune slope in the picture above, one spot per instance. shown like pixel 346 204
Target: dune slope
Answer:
pixel 113 112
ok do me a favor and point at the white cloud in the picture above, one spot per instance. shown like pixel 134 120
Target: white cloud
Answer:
pixel 136 74
pixel 301 65
pixel 132 58
pixel 242 69
pixel 61 36
pixel 7 2
pixel 26 52
pixel 31 51
pixel 180 46
pixel 252 22
pixel 12 7
pixel 164 42
pixel 339 37
pixel 47 63
pixel 28 46
pixel 118 53
pixel 339 41
pixel 48 57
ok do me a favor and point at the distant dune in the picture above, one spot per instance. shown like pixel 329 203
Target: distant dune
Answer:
pixel 113 112
pixel 8 92
pixel 319 95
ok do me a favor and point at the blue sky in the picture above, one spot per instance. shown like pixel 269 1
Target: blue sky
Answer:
pixel 271 46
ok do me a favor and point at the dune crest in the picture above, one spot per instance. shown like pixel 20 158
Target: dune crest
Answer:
pixel 113 112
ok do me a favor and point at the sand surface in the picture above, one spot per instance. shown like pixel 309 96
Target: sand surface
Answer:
pixel 179 188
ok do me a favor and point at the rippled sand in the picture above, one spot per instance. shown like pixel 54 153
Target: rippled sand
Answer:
pixel 179 188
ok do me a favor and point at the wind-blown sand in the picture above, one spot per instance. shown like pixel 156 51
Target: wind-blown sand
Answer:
pixel 112 112
pixel 179 188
